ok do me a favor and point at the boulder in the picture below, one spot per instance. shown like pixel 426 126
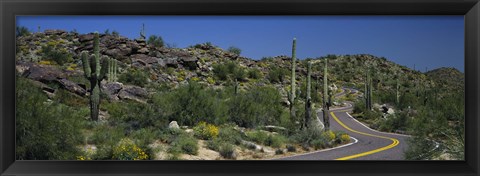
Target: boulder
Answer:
pixel 144 59
pixel 86 37
pixel 133 93
pixel 143 50
pixel 43 73
pixel 72 87
pixel 173 125
pixel 112 89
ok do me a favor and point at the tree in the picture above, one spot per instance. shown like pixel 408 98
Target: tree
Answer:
pixel 22 31
pixel 234 49
pixel 155 41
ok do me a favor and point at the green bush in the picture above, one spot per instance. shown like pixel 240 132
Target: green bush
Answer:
pixel 126 149
pixel 45 130
pixel 229 71
pixel 190 104
pixel 230 135
pixel 277 74
pixel 227 151
pixel 234 49
pixel 186 144
pixel 258 107
pixel 276 141
pixel 135 77
pixel 205 131
pixel 155 41
pixel 258 136
pixel 22 31
pixel 254 73
pixel 52 53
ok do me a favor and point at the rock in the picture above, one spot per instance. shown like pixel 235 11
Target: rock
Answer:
pixel 86 37
pixel 143 50
pixel 173 125
pixel 144 59
pixel 119 53
pixel 251 145
pixel 54 32
pixel 72 87
pixel 112 89
pixel 44 73
pixel 390 111
pixel 170 62
pixel 133 93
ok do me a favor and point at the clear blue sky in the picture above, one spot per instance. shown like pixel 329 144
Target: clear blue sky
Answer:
pixel 426 41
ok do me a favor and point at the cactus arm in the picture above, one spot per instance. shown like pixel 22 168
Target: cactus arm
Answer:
pixel 86 64
pixel 96 51
pixel 104 69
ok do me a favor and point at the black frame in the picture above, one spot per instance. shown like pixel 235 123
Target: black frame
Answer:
pixel 9 9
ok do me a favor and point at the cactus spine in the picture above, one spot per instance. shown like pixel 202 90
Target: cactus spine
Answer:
pixel 308 103
pixel 326 119
pixel 95 73
pixel 292 91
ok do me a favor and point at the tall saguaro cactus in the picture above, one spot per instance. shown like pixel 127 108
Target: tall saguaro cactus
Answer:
pixel 326 119
pixel 308 103
pixel 292 91
pixel 368 90
pixel 95 73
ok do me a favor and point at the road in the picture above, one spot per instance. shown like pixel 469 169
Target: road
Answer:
pixel 367 144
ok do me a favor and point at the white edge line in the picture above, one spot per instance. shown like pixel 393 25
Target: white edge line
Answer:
pixel 319 151
pixel 376 130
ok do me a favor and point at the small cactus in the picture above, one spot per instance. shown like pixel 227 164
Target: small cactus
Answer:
pixel 142 32
pixel 112 70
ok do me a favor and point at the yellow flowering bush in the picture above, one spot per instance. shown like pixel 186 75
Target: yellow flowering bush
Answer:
pixel 83 158
pixel 210 80
pixel 330 135
pixel 205 131
pixel 46 62
pixel 195 79
pixel 126 149
pixel 345 138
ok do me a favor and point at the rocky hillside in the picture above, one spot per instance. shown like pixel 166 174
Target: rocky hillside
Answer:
pixel 52 57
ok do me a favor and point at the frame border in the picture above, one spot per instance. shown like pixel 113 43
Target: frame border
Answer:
pixel 10 9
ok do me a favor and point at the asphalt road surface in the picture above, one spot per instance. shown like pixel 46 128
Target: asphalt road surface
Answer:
pixel 367 144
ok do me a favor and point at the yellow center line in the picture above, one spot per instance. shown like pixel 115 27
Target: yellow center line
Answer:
pixel 393 144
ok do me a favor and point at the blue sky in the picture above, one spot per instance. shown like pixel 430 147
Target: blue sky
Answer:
pixel 426 41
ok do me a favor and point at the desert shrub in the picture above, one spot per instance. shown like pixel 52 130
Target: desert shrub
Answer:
pixel 227 151
pixel 320 143
pixel 155 41
pixel 22 31
pixel 276 141
pixel 185 144
pixel 205 131
pixel 190 104
pixel 135 77
pixel 234 50
pixel 254 73
pixel 230 135
pixel 60 56
pixel 257 136
pixel 341 137
pixel 134 114
pixel 278 152
pixel 214 144
pixel 45 130
pixel 229 71
pixel 126 149
pixel 306 137
pixel 258 107
pixel 276 74
pixel 329 135
pixel 210 80
pixel 143 137
pixel 291 148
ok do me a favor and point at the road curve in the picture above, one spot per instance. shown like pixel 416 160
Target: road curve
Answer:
pixel 371 144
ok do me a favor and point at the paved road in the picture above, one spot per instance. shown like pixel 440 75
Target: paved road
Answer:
pixel 371 144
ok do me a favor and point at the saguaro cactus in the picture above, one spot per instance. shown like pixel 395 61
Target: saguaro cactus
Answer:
pixel 112 70
pixel 142 32
pixel 292 91
pixel 397 92
pixel 95 73
pixel 326 119
pixel 308 103
pixel 368 90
